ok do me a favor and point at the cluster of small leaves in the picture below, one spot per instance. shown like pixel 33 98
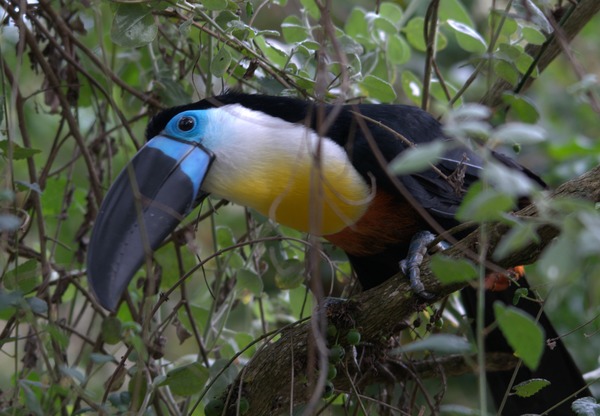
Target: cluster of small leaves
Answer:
pixel 371 51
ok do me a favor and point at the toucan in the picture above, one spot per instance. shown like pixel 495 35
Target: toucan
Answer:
pixel 319 168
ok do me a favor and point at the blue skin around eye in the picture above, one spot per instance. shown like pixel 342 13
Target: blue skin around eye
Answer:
pixel 196 133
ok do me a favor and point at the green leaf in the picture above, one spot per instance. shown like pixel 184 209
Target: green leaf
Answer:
pixel 184 28
pixel 437 92
pixel 31 399
pixel 532 35
pixel 519 133
pixel 414 33
pixel 449 270
pixel 509 27
pixel 524 62
pixel 58 334
pixel 18 152
pixel 137 388
pixel 560 259
pixel 99 358
pixel 73 373
pixel 377 88
pixel 412 87
pixel 509 52
pixel 469 128
pixel 170 91
pixel 356 26
pixel 523 333
pixel 187 380
pixel 277 56
pixel 518 237
pixel 530 387
pixel 290 274
pixel 506 71
pixel 530 12
pixel 111 330
pixel 454 10
pixel 214 407
pixel 24 277
pixel 225 18
pixel 121 400
pixel 37 305
pixel 471 112
pixel 483 205
pixel 507 181
pixel 418 158
pixel 380 22
pixel 244 340
pixel 293 30
pixel 220 62
pixel 586 406
pixel 249 9
pixel 311 7
pixel 397 50
pixel 349 45
pixel 215 4
pixel 22 186
pixel 439 343
pixel 242 31
pixel 8 301
pixel 248 280
pixel 304 82
pixel 467 37
pixel 133 25
pixel 523 107
pixel 310 45
pixel 391 11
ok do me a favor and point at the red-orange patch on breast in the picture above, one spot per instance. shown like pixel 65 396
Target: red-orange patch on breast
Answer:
pixel 388 220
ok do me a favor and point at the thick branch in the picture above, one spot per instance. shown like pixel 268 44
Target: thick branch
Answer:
pixel 379 313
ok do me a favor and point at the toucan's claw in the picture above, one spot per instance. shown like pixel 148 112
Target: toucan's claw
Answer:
pixel 410 266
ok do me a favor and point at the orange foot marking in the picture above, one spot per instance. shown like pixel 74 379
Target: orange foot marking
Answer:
pixel 497 282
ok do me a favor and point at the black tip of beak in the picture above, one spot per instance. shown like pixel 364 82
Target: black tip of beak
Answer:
pixel 146 203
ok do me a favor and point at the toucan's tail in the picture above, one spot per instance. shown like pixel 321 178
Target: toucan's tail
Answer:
pixel 556 365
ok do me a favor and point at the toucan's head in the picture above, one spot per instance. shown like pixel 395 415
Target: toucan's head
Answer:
pixel 280 168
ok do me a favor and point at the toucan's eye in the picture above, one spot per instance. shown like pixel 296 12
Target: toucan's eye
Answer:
pixel 186 123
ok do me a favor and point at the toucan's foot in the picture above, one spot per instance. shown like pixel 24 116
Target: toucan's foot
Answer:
pixel 410 266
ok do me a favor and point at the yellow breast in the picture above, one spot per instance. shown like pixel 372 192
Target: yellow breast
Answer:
pixel 317 198
pixel 284 171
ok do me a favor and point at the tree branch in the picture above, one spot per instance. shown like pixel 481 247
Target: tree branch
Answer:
pixel 380 313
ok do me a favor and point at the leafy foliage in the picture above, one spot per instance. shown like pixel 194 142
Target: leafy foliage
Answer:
pixel 586 406
pixel 79 81
pixel 522 333
pixel 530 387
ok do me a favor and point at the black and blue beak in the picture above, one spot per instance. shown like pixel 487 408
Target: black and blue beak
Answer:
pixel 150 197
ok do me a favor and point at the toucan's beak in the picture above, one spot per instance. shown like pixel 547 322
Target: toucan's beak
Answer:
pixel 150 197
